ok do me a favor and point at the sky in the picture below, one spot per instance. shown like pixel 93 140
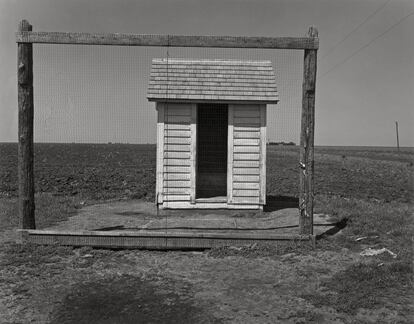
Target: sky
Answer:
pixel 365 78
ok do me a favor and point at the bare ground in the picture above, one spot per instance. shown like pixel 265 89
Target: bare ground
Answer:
pixel 253 284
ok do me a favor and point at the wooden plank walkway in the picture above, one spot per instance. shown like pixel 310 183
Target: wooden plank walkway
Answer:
pixel 136 224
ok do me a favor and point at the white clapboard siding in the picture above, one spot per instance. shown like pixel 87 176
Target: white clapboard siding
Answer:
pixel 172 197
pixel 246 185
pixel 177 191
pixel 177 155
pixel 246 142
pixel 246 171
pixel 246 129
pixel 177 140
pixel 263 141
pixel 246 155
pixel 246 164
pixel 246 149
pixel 248 200
pixel 176 148
pixel 245 193
pixel 176 184
pixel 239 134
pixel 177 176
pixel 246 178
pixel 178 133
pixel 176 162
pixel 177 126
pixel 160 153
pixel 176 169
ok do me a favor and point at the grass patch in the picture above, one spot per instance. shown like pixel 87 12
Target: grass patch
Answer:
pixel 368 284
pixel 364 286
pixel 389 224
pixel 32 255
pixel 50 209
pixel 263 250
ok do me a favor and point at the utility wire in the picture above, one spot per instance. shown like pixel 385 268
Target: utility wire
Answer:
pixel 355 29
pixel 366 45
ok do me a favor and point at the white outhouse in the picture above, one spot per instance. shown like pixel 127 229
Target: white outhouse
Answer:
pixel 211 132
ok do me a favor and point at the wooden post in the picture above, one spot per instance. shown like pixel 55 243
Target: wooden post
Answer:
pixel 307 139
pixel 398 140
pixel 25 148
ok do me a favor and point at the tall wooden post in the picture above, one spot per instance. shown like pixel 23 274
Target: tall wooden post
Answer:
pixel 25 148
pixel 307 139
pixel 398 139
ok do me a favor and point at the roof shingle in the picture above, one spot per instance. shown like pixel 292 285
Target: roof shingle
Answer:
pixel 212 80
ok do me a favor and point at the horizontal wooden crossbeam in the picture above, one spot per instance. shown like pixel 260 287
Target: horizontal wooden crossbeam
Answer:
pixel 167 40
pixel 154 240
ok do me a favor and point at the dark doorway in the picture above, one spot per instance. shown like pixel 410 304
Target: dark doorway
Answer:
pixel 211 179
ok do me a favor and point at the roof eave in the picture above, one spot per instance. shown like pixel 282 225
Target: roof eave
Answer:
pixel 267 102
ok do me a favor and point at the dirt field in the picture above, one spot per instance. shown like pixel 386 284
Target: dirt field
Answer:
pixel 371 189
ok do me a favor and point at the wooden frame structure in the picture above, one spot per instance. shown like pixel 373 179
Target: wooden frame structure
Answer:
pixel 25 38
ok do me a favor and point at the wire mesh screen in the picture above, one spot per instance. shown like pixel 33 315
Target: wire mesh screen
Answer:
pixel 97 94
pixel 95 131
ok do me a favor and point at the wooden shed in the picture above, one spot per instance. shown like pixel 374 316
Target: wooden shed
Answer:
pixel 211 131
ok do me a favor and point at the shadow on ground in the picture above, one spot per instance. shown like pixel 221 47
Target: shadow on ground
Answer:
pixel 274 203
pixel 128 299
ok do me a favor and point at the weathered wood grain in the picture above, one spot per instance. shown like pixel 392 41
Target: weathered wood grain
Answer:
pixel 24 36
pixel 307 139
pixel 25 131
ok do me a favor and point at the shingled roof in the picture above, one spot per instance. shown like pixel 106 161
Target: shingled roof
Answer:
pixel 212 80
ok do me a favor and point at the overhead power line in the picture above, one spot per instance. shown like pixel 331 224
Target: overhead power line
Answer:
pixel 366 45
pixel 355 29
